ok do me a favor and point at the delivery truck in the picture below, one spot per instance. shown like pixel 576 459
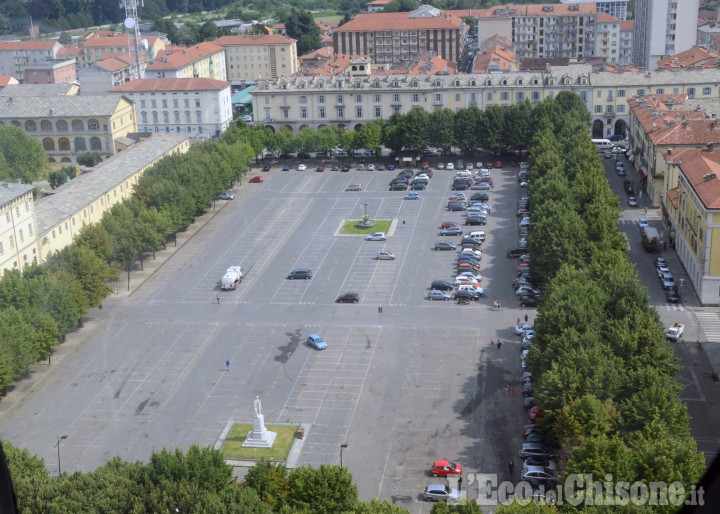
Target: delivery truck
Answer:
pixel 233 276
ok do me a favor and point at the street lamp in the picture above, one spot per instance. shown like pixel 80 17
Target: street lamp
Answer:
pixel 59 438
pixel 342 447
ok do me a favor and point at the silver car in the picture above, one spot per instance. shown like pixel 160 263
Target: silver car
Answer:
pixel 441 492
pixel 439 295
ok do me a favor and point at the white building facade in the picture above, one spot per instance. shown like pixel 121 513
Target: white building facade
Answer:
pixel 18 228
pixel 662 28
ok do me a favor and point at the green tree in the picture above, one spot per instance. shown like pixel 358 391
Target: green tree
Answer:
pixel 323 490
pixel 270 481
pixel 466 128
pixel 56 179
pixel 301 25
pixel 492 127
pixel 370 135
pixel 89 159
pixel 97 239
pixel 259 30
pixel 414 127
pixel 23 157
pixel 393 137
pixel 208 31
pixel 440 130
pixel 517 125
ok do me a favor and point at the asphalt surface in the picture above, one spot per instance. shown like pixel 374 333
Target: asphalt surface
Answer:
pixel 403 381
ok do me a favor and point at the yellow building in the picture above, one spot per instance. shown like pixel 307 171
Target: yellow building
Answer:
pixel 261 57
pixel 692 211
pixel 18 228
pixel 68 126
pixel 85 199
pixel 204 60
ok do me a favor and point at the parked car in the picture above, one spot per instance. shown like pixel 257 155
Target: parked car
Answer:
pixel 528 301
pixel 616 137
pixel 672 294
pixel 226 196
pixel 377 236
pixel 443 468
pixel 667 280
pixel 303 273
pixel 267 167
pixel 445 245
pixel 442 285
pixel 398 186
pixel 521 329
pixel 441 492
pixel 301 167
pixel 632 201
pixel 515 252
pixel 385 255
pixel 538 475
pixel 451 231
pixel 348 298
pixel 316 342
pixel 456 206
pixel 536 449
pixel 354 187
pixel 436 294
pixel 257 179
pixel 412 196
pixel 320 168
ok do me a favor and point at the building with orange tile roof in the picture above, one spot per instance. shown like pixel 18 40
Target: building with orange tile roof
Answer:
pixel 691 214
pixel 377 5
pixel 16 56
pixel 6 80
pixel 627 41
pixel 659 122
pixel 260 57
pixel 495 58
pixel 397 38
pixel 607 38
pixel 189 106
pixel 110 72
pixel 695 57
pixel 201 60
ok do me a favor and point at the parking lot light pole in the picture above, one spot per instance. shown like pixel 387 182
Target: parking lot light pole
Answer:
pixel 342 447
pixel 59 438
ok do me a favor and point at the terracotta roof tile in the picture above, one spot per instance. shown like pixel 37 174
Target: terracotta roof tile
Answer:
pixel 27 45
pixel 173 84
pixel 70 51
pixel 606 18
pixel 495 58
pixel 695 56
pixel 174 58
pixel 666 122
pixel 5 80
pixel 701 168
pixel 269 39
pixel 374 22
pixel 113 64
pixel 109 42
pixel 627 25
pixel 321 53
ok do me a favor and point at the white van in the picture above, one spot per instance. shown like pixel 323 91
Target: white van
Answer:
pixel 476 291
pixel 602 144
pixel 477 234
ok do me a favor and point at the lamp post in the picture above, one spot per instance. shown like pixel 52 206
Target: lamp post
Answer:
pixel 59 438
pixel 342 447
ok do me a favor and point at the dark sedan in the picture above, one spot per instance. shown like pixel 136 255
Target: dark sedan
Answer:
pixel 442 285
pixel 528 301
pixel 348 298
pixel 672 294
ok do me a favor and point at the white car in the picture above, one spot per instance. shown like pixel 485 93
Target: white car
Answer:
pixel 247 118
pixel 450 166
pixel 377 236
pixel 385 255
pixel 302 167
pixel 642 223
pixel 371 167
pixel 476 278
pixel 520 329
pixel 354 187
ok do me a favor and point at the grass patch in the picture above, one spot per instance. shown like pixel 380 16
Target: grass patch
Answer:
pixel 233 448
pixel 351 227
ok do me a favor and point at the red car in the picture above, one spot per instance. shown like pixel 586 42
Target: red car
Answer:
pixel 499 164
pixel 535 414
pixel 466 266
pixel 256 179
pixel 443 468
pixel 448 224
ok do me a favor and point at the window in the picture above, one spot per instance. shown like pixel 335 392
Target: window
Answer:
pixel 520 96
pixel 415 97
pixel 153 103
pixel 504 96
pixel 598 109
pixel 438 97
pixel 583 95
pixel 303 99
pixel 187 116
pixel 164 103
pixel 691 92
pixel 621 93
pixel 197 103
pixel 620 108
pixel 155 117
pixel 143 116
pixel 707 90
pixel 358 98
pixel 142 104
pixel 341 113
pixel 358 112
pixel 186 102
pixel 396 110
pixel 166 117
pixel 599 93
pixel 321 112
pixel 30 230
pixel 2 250
pixel 303 112
pixel 175 103
pixel 377 98
pixel 321 99
pixel 660 91
pixel 340 99
pixel 378 112
pixel 22 236
pixel 198 117
pixel 640 92
pixel 535 96
pixel 396 97
pixel 489 96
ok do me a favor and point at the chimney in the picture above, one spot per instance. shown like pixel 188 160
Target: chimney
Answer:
pixel 710 147
pixel 669 152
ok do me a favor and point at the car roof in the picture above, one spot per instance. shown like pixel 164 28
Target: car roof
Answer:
pixel 301 269
pixel 314 336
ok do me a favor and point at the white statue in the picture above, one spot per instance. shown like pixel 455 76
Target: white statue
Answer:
pixel 258 407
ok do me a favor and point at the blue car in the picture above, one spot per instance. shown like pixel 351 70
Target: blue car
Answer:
pixel 316 342
pixel 412 196
pixel 391 167
pixel 286 167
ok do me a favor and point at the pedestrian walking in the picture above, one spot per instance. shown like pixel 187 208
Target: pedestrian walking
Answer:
pixel 518 321
pixel 459 483
pixel 492 341
pixel 499 343
pixel 507 390
pixel 227 365
pixel 218 299
pixel 511 466
pixel 526 318
pixel 512 390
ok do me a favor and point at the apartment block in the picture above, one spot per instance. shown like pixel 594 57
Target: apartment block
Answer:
pixel 396 38
pixel 616 8
pixel 18 228
pixel 262 57
pixel 627 41
pixel 202 60
pixel 193 107
pixel 58 71
pixel 17 56
pixel 607 39
pixel 662 28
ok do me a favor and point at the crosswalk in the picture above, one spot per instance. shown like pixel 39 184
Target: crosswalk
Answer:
pixel 710 325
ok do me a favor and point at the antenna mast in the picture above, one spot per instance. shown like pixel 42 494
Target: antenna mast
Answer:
pixel 135 48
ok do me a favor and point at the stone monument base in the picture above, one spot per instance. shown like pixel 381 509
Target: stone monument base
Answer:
pixel 259 436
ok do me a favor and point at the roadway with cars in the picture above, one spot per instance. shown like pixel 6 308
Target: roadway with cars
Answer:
pixel 403 386
pixel 699 353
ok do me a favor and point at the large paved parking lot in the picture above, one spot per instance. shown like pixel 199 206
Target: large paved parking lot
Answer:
pixel 403 380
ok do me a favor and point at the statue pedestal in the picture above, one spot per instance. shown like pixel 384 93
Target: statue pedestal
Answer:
pixel 260 437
